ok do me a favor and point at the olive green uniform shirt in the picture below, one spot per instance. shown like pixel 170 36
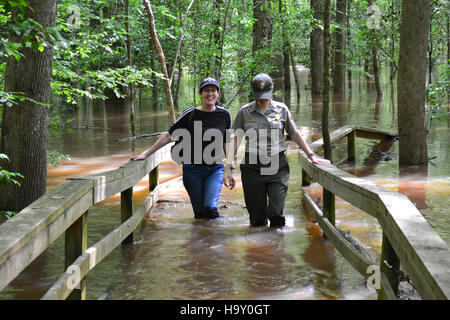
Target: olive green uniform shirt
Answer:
pixel 268 127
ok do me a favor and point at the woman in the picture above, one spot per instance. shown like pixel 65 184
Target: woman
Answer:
pixel 203 166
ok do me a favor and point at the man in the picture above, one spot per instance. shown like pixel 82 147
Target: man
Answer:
pixel 265 169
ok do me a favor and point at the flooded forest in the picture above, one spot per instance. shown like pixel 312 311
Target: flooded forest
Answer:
pixel 86 85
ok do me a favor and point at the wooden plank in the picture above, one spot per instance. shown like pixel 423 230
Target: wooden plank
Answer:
pixel 386 292
pixel 359 261
pixel 306 180
pixel 16 258
pixel 389 263
pixel 126 210
pixel 75 244
pixel 374 134
pixel 95 254
pixel 153 178
pixel 329 206
pixel 334 136
pixel 351 146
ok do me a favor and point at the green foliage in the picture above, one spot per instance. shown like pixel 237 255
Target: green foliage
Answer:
pixel 437 95
pixel 55 158
pixel 6 176
pixel 7 214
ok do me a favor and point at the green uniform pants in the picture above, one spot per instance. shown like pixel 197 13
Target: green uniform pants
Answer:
pixel 265 195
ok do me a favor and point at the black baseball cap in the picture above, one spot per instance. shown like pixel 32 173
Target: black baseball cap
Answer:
pixel 208 81
pixel 262 86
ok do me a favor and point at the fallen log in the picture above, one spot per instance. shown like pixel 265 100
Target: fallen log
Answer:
pixel 144 136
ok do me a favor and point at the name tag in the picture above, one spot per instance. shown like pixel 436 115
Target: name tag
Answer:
pixel 249 121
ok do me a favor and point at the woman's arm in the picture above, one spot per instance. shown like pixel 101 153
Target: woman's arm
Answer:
pixel 298 139
pixel 161 142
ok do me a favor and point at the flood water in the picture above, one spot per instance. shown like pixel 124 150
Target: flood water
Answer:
pixel 177 257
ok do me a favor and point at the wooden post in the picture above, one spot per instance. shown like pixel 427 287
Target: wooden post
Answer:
pixel 389 265
pixel 75 245
pixel 351 146
pixel 153 178
pixel 126 210
pixel 329 206
pixel 306 179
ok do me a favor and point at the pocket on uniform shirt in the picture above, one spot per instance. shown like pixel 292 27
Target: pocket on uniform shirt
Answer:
pixel 276 124
pixel 250 125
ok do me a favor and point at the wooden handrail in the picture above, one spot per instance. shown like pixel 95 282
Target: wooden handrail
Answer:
pixel 424 255
pixel 25 236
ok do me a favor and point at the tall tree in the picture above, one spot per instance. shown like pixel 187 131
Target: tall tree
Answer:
pixel 374 13
pixel 326 80
pixel 24 127
pixel 129 63
pixel 262 35
pixel 316 47
pixel 339 49
pixel 286 60
pixel 162 60
pixel 414 30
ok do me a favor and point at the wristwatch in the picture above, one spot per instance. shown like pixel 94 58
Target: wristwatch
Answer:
pixel 310 155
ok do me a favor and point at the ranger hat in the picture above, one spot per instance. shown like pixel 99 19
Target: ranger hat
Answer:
pixel 262 86
pixel 208 81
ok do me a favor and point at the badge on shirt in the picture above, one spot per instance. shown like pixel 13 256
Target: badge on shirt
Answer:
pixel 277 116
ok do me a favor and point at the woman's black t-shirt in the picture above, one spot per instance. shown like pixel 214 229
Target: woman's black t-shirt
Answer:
pixel 190 121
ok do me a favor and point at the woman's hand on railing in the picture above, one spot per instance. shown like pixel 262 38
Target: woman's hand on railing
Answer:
pixel 139 157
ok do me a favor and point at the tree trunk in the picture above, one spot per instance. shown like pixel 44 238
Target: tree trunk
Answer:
pixel 24 127
pixel 349 71
pixel 216 37
pixel 222 43
pixel 129 63
pixel 374 51
pixel 339 53
pixel 316 48
pixel 262 36
pixel 326 81
pixel 297 80
pixel 414 30
pixel 286 62
pixel 162 60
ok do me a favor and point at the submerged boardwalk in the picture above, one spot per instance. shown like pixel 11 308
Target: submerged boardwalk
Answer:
pixel 423 254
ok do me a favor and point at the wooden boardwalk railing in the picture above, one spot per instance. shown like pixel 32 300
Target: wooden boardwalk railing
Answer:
pixel 64 210
pixel 407 237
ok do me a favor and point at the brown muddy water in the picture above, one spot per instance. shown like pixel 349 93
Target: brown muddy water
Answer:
pixel 177 257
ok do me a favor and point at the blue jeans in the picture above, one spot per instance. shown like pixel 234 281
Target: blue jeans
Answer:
pixel 203 184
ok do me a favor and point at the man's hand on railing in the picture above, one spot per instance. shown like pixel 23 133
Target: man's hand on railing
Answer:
pixel 315 159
